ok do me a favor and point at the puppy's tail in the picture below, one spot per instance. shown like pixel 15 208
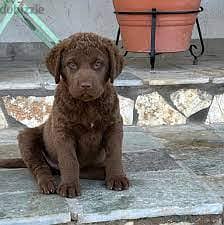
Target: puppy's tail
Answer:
pixel 12 163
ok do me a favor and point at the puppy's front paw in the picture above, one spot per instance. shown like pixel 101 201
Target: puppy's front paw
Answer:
pixel 47 185
pixel 69 190
pixel 117 183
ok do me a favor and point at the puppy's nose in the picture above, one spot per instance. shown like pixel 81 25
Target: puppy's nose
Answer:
pixel 86 85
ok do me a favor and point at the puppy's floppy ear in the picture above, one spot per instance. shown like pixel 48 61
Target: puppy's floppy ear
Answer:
pixel 53 61
pixel 116 60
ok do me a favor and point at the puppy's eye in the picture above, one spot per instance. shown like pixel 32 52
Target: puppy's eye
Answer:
pixel 72 66
pixel 98 64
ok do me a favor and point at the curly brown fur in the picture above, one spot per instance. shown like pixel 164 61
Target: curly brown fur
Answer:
pixel 83 135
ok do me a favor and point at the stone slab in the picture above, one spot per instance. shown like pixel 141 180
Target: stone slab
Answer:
pixel 175 129
pixel 47 80
pixel 140 141
pixel 218 127
pixel 9 151
pixel 33 208
pixel 18 65
pixel 134 140
pixel 21 204
pixel 19 80
pixel 127 79
pixel 204 161
pixel 190 139
pixel 216 183
pixel 8 136
pixel 218 80
pixel 123 80
pixel 132 128
pixel 152 194
pixel 17 181
pixel 169 220
pixel 173 69
pixel 151 160
pixel 169 77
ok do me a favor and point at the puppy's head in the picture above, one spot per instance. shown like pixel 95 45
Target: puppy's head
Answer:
pixel 85 62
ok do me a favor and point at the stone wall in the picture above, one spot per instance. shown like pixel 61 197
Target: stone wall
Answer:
pixel 32 111
pixel 155 106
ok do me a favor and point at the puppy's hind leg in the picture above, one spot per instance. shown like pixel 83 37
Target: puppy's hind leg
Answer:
pixel 31 146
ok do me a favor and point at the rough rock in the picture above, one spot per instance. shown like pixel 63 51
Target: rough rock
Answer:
pixel 190 101
pixel 154 110
pixel 126 108
pixel 31 111
pixel 216 111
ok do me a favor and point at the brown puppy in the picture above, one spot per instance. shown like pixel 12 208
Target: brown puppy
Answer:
pixel 83 135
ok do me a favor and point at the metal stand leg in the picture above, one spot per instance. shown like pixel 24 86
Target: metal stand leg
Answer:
pixel 153 40
pixel 118 36
pixel 192 47
pixel 117 40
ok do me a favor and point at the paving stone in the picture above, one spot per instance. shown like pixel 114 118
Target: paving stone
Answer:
pixel 169 220
pixel 8 136
pixel 152 194
pixel 216 74
pixel 140 141
pixel 124 79
pixel 202 161
pixel 21 204
pixel 148 161
pixel 9 151
pixel 218 80
pixel 187 139
pixel 216 183
pixel 134 140
pixel 133 129
pixel 181 223
pixel 183 128
pixel 169 77
pixel 218 129
pixel 47 80
pixel 153 110
pixel 16 180
pixel 127 79
pixel 18 66
pixel 33 208
pixel 19 80
pixel 190 101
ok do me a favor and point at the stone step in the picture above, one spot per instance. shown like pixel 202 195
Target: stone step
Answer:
pixel 177 92
pixel 26 75
pixel 176 174
pixel 172 69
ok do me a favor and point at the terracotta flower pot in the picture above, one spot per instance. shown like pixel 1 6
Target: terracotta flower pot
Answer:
pixel 173 31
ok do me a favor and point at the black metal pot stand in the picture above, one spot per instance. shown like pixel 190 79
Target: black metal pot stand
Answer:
pixel 154 12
